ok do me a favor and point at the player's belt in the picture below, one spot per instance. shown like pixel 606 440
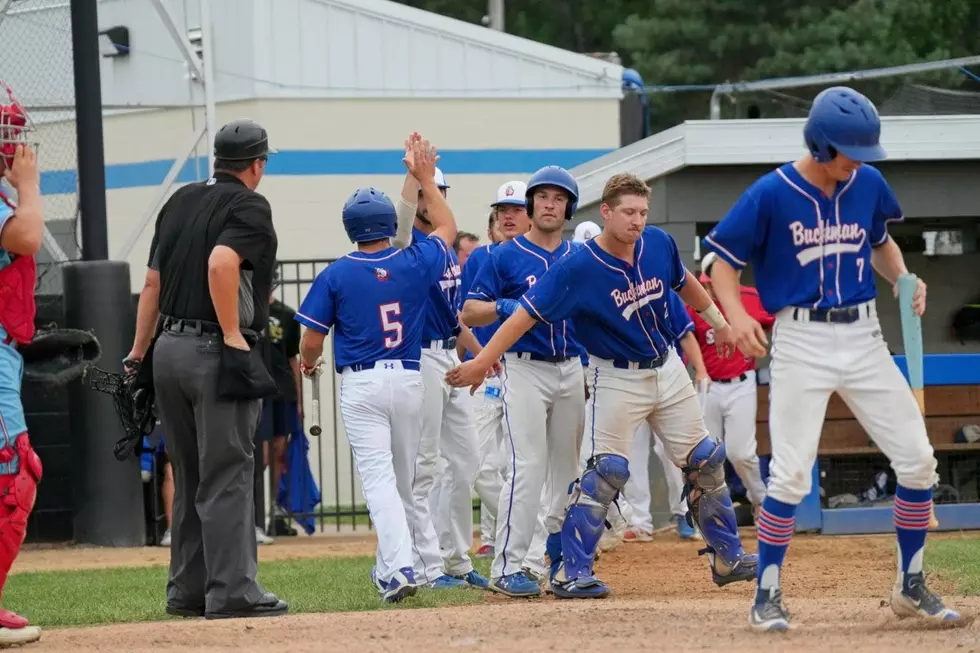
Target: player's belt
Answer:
pixel 382 365
pixel 843 315
pixel 445 343
pixel 541 358
pixel 649 364
pixel 734 379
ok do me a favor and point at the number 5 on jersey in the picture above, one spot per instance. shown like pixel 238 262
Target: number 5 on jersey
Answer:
pixel 390 324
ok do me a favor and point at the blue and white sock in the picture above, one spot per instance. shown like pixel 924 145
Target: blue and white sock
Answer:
pixel 912 511
pixel 777 521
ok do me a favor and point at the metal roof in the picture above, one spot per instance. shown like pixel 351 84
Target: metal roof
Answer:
pixel 292 49
pixel 743 142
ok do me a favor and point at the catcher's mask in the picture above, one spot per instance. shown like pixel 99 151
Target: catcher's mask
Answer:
pixel 16 128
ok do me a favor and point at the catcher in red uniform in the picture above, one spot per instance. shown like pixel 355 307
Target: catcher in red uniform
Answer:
pixel 21 229
pixel 730 405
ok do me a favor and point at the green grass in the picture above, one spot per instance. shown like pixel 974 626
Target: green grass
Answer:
pixel 362 519
pixel 957 560
pixel 132 594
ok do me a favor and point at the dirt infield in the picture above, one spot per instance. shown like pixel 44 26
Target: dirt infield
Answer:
pixel 663 600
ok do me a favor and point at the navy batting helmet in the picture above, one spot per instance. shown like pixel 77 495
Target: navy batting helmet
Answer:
pixel 369 215
pixel 842 120
pixel 558 177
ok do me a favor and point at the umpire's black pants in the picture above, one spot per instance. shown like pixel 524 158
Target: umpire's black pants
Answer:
pixel 213 559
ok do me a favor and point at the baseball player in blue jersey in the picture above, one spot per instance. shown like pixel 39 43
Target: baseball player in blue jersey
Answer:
pixel 375 300
pixel 448 429
pixel 509 220
pixel 815 230
pixel 542 393
pixel 617 287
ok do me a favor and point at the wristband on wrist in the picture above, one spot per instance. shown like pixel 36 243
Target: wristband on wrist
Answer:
pixel 713 317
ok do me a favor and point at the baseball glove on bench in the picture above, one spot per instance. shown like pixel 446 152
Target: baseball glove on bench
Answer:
pixel 59 356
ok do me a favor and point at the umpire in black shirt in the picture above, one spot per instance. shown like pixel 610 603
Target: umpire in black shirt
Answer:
pixel 205 300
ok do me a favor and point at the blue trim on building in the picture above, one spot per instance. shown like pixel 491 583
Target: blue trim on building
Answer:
pixel 334 162
pixel 946 369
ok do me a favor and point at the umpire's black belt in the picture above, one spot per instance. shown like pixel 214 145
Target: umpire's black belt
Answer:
pixel 843 315
pixel 445 343
pixel 197 327
pixel 541 358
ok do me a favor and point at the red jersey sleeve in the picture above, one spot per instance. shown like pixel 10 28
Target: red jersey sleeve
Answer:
pixel 753 306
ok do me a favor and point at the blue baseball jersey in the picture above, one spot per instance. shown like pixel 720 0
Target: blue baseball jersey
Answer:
pixel 376 302
pixel 807 249
pixel 679 322
pixel 512 269
pixel 442 312
pixel 620 309
pixel 478 257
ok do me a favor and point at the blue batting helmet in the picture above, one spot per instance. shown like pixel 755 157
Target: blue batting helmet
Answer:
pixel 558 177
pixel 369 215
pixel 842 120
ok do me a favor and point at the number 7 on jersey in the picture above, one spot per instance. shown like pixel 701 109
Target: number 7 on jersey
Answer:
pixel 390 324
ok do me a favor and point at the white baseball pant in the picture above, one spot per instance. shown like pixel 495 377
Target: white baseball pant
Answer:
pixel 447 428
pixel 489 414
pixel 622 399
pixel 812 360
pixel 543 422
pixel 729 414
pixel 536 559
pixel 439 503
pixel 382 414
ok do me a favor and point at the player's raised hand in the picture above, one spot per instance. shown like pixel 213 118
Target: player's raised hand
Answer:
pixel 424 159
pixel 23 169
pixel 748 335
pixel 918 298
pixel 409 158
pixel 471 374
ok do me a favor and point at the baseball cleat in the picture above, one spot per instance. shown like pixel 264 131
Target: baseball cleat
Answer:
pixel 474 579
pixel 637 535
pixel 912 598
pixel 485 551
pixel 684 530
pixel 770 616
pixel 446 582
pixel 517 585
pixel 745 569
pixel 583 587
pixel 401 586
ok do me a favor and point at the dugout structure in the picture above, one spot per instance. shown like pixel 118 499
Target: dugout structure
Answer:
pixel 698 169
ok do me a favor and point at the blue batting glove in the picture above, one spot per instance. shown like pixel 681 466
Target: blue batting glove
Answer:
pixel 506 307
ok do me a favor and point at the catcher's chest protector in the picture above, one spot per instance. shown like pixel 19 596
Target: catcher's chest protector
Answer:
pixel 17 307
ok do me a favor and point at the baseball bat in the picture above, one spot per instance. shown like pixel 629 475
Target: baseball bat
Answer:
pixel 912 338
pixel 703 392
pixel 315 429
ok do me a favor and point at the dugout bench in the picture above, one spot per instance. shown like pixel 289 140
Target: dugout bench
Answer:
pixel 952 389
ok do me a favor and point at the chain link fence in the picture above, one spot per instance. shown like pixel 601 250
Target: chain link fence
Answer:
pixel 38 65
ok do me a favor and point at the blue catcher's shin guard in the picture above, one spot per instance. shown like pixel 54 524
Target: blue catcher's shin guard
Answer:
pixel 604 477
pixel 552 549
pixel 710 503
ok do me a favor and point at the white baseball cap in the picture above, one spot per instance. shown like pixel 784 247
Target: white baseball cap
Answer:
pixel 440 180
pixel 586 231
pixel 513 192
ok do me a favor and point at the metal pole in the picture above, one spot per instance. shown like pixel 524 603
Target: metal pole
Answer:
pixel 207 44
pixel 88 126
pixel 716 105
pixel 495 11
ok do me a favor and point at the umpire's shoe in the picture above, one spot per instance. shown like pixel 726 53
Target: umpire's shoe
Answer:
pixel 911 598
pixel 769 615
pixel 268 606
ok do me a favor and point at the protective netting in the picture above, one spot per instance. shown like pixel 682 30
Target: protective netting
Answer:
pixel 37 63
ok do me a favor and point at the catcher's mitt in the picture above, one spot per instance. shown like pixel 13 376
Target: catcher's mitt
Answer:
pixel 58 356
pixel 135 406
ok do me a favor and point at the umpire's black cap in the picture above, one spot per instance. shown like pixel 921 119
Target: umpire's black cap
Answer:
pixel 242 140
